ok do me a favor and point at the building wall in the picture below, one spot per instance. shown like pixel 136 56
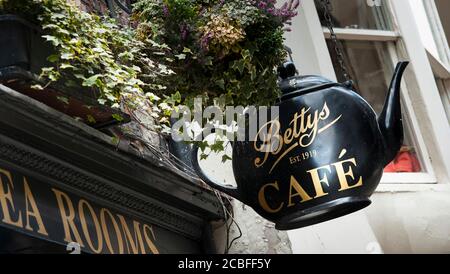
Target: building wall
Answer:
pixel 412 222
pixel 259 236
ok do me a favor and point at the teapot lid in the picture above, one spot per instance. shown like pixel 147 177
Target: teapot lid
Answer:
pixel 292 85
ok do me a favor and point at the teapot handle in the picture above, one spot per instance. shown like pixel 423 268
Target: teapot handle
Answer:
pixel 231 191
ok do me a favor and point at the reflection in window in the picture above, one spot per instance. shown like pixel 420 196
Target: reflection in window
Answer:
pixel 358 14
pixel 370 67
pixel 443 7
pixel 437 13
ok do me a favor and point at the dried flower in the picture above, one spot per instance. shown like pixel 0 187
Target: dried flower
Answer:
pixel 221 35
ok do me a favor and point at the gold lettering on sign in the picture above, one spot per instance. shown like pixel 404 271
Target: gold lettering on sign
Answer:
pixel 6 200
pixel 33 211
pixel 132 244
pixel 67 218
pixel 299 191
pixel 303 131
pixel 148 234
pixel 263 201
pixel 103 213
pixel 82 204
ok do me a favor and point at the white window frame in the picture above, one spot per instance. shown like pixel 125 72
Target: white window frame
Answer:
pixel 390 37
pixel 444 89
pixel 442 75
pixel 426 100
pixel 437 30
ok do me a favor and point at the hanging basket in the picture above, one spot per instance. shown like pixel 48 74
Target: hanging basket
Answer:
pixel 23 53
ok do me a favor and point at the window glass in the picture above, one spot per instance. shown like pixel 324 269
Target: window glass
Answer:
pixel 370 67
pixel 358 14
pixel 443 7
pixel 444 91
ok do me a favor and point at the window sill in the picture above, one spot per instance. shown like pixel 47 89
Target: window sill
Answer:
pixel 408 178
pixel 440 69
pixel 406 188
pixel 410 182
pixel 362 34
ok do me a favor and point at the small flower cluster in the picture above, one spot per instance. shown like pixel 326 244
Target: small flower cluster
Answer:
pixel 220 35
pixel 220 49
pixel 285 13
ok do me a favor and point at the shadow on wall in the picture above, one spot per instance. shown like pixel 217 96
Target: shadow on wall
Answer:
pixel 416 222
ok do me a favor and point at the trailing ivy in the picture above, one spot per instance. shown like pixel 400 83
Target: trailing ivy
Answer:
pixel 95 53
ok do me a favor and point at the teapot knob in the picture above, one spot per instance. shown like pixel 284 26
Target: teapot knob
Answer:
pixel 287 70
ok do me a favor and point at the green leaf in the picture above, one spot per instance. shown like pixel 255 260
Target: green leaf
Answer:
pixel 226 158
pixel 55 41
pixel 101 101
pixel 53 58
pixel 66 56
pixel 37 87
pixel 66 66
pixel 89 82
pixel 209 61
pixel 176 97
pixel 181 56
pixel 187 50
pixel 221 83
pixel 79 76
pixel 53 76
pixel 115 140
pixel 90 119
pixel 118 117
pixel 202 145
pixel 63 99
pixel 218 146
pixel 48 69
pixel 239 65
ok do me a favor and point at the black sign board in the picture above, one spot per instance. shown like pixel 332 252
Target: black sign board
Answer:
pixel 41 210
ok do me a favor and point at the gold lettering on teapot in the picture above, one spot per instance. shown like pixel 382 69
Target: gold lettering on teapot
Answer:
pixel 299 192
pixel 319 177
pixel 263 201
pixel 302 132
pixel 343 175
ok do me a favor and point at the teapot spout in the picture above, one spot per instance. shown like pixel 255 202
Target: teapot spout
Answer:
pixel 390 119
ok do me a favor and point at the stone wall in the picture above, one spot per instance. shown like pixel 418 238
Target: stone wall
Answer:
pixel 258 235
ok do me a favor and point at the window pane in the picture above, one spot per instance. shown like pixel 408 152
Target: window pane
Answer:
pixel 370 68
pixel 358 14
pixel 443 7
pixel 441 32
pixel 444 91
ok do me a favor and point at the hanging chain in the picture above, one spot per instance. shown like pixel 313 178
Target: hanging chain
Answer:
pixel 327 9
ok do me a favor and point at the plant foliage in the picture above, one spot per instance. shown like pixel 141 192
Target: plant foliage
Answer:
pixel 219 49
pixel 96 53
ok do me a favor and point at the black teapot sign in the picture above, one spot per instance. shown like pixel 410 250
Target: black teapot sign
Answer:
pixel 328 152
